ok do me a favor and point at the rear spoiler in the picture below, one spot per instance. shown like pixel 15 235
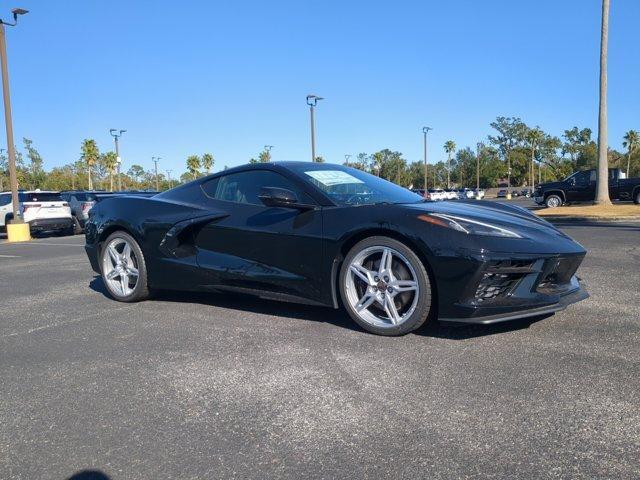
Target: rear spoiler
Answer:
pixel 102 196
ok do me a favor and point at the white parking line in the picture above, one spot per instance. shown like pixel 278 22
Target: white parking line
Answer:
pixel 9 256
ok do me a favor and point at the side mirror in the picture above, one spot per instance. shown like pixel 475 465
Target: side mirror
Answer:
pixel 280 197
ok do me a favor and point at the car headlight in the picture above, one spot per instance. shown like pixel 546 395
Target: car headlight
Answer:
pixel 468 226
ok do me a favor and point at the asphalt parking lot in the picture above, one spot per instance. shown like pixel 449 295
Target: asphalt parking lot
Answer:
pixel 212 386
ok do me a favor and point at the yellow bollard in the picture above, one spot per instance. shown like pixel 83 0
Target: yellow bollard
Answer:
pixel 508 195
pixel 18 232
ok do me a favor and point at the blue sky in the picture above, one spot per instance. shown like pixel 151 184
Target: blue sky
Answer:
pixel 228 77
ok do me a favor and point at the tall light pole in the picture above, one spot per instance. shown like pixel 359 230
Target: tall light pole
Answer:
pixel 155 161
pixel 116 135
pixel 11 149
pixel 478 151
pixel 346 159
pixel 169 178
pixel 425 130
pixel 312 101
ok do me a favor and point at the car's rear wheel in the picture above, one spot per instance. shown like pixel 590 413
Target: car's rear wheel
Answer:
pixel 124 271
pixel 553 201
pixel 385 287
pixel 636 199
pixel 77 228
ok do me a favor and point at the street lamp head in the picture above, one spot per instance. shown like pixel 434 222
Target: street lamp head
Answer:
pixel 122 131
pixel 426 129
pixel 268 147
pixel 312 100
pixel 18 11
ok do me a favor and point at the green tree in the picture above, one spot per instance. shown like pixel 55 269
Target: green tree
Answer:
pixel 207 162
pixel 36 174
pixel 110 162
pixel 193 166
pixel 136 172
pixel 449 148
pixel 631 142
pixel 602 187
pixel 510 134
pixel 534 136
pixel 90 156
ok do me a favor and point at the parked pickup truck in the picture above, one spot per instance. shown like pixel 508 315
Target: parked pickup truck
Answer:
pixel 581 187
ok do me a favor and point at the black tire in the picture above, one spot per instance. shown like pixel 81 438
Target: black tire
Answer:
pixel 141 290
pixel 553 201
pixel 424 303
pixel 77 228
pixel 636 199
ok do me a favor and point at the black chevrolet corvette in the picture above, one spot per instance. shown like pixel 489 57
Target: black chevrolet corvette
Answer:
pixel 330 235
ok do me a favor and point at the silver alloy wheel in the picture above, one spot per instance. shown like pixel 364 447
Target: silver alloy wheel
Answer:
pixel 553 202
pixel 376 289
pixel 120 267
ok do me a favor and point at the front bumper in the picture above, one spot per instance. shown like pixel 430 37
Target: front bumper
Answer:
pixel 50 224
pixel 493 288
pixel 571 297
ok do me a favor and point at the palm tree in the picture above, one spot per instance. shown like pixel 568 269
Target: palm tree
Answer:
pixel 631 142
pixel 110 162
pixel 90 156
pixel 602 192
pixel 207 162
pixel 449 147
pixel 193 166
pixel 534 137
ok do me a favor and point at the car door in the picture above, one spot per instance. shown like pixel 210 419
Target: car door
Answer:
pixel 579 187
pixel 6 207
pixel 255 247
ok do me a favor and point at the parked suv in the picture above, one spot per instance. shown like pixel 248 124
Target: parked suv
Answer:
pixel 44 211
pixel 80 202
pixel 581 187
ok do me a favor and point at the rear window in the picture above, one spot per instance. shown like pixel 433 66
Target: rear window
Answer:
pixel 40 197
pixel 85 197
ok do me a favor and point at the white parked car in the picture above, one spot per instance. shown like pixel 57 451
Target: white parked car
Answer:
pixel 450 194
pixel 465 194
pixel 437 194
pixel 44 211
pixel 478 194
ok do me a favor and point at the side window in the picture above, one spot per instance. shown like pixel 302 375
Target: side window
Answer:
pixel 5 200
pixel 244 187
pixel 592 177
pixel 582 178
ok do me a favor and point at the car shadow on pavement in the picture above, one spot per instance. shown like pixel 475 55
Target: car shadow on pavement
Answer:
pixel 89 475
pixel 339 318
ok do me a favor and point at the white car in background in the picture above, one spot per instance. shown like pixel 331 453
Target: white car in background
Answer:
pixel 478 193
pixel 450 194
pixel 44 211
pixel 437 194
pixel 466 194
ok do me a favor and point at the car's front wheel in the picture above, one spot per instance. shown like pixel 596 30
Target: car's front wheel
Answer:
pixel 385 287
pixel 124 271
pixel 553 201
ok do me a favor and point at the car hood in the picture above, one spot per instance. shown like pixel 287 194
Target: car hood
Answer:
pixel 539 235
pixel 545 186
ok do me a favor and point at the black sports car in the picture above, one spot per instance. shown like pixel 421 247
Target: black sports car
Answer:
pixel 330 235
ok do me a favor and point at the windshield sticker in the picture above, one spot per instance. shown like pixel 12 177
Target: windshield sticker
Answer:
pixel 329 178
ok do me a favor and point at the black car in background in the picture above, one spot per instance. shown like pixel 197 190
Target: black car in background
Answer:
pixel 330 235
pixel 581 187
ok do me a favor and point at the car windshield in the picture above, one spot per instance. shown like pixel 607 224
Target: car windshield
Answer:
pixel 348 186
